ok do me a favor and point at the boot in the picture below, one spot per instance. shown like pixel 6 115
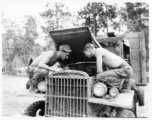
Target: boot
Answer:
pixel 130 84
pixel 28 84
pixel 140 95
pixel 33 86
pixel 127 85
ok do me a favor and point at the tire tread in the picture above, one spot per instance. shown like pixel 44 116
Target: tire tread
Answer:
pixel 32 109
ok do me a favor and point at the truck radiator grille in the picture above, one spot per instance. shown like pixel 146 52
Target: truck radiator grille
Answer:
pixel 66 97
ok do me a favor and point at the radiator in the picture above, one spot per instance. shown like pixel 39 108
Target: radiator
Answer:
pixel 66 97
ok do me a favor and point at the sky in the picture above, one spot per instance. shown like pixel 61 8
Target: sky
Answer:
pixel 15 10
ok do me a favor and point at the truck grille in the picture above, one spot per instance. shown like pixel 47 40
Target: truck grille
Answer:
pixel 66 97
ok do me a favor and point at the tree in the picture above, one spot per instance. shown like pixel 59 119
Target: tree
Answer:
pixel 37 49
pixel 98 15
pixel 17 41
pixel 57 16
pixel 10 46
pixel 135 15
pixel 29 37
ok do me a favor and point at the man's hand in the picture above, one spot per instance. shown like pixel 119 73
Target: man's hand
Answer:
pixel 58 70
pixel 99 71
pixel 66 68
pixel 50 73
pixel 98 76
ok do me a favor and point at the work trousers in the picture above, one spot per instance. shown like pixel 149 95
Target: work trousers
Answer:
pixel 115 76
pixel 35 73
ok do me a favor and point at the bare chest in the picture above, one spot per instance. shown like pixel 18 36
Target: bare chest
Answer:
pixel 52 61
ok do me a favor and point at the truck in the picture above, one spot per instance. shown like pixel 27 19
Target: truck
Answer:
pixel 77 92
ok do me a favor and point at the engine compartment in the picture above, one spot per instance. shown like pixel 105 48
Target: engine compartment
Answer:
pixel 88 67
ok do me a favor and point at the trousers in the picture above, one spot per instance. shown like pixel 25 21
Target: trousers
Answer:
pixel 115 76
pixel 35 73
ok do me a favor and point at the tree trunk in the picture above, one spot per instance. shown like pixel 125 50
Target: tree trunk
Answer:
pixel 10 63
pixel 94 25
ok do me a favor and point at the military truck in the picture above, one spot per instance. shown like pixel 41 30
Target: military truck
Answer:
pixel 76 92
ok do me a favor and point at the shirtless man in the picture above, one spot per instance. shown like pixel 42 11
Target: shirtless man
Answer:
pixel 119 68
pixel 42 64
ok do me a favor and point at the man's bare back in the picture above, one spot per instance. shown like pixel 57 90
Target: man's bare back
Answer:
pixel 38 59
pixel 109 58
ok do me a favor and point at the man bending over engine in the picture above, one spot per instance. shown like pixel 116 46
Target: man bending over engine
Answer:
pixel 119 69
pixel 42 64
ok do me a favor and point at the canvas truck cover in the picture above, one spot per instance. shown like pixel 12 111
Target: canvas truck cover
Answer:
pixel 138 56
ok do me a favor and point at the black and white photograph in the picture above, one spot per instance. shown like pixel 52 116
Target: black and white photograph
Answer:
pixel 75 59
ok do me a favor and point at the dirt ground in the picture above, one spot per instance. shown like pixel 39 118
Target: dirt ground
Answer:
pixel 15 97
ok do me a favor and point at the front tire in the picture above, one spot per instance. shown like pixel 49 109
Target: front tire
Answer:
pixel 34 107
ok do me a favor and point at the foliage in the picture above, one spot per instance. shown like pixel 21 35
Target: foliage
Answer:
pixel 100 12
pixel 29 37
pixel 10 42
pixel 134 16
pixel 17 41
pixel 56 16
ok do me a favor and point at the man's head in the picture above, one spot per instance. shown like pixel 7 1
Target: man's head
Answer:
pixel 88 50
pixel 65 51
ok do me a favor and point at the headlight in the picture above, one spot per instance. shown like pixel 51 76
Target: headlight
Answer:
pixel 99 89
pixel 113 92
pixel 42 86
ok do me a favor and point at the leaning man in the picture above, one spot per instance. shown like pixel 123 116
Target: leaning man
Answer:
pixel 42 65
pixel 119 69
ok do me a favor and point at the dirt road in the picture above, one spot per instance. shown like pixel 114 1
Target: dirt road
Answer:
pixel 16 98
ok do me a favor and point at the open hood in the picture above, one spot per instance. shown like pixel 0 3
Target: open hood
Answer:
pixel 76 38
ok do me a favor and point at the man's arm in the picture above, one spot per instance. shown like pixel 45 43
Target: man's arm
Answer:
pixel 45 60
pixel 99 64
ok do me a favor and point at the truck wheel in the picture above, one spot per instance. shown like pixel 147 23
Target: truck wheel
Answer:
pixel 141 96
pixel 124 113
pixel 34 107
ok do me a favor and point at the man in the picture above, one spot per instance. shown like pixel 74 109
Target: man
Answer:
pixel 42 64
pixel 119 68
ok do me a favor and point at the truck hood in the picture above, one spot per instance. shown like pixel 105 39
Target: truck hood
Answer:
pixel 76 38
